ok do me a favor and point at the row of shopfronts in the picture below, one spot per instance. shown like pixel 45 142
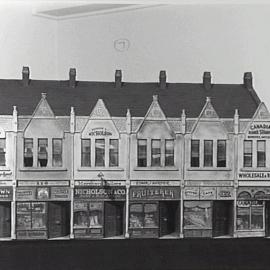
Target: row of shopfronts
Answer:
pixel 95 212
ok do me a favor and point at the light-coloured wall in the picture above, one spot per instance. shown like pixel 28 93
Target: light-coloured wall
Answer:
pixel 26 40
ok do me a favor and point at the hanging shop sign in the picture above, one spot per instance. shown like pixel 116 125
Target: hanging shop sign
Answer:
pixel 99 183
pixel 155 183
pixel 209 193
pixel 154 193
pixel 97 193
pixel 35 183
pixel 42 193
pixel 254 176
pixel 6 193
pixel 259 130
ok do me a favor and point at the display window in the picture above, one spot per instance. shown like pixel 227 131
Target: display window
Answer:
pixel 197 215
pixel 88 214
pixel 143 215
pixel 250 215
pixel 31 215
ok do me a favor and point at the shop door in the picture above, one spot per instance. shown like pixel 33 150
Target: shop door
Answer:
pixel 58 219
pixel 5 219
pixel 114 212
pixel 168 217
pixel 222 218
pixel 267 218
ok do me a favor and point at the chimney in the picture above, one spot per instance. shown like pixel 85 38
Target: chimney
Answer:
pixel 207 80
pixel 162 79
pixel 72 77
pixel 118 78
pixel 25 76
pixel 248 80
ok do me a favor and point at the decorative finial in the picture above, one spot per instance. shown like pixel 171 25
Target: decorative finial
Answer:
pixel 44 95
pixel 14 110
pixel 72 112
pixel 155 97
pixel 183 113
pixel 128 113
pixel 208 99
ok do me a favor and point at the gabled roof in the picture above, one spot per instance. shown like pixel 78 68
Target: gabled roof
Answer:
pixel 137 97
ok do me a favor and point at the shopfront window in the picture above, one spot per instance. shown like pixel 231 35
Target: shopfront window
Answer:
pixel 169 152
pixel 114 153
pixel 150 215
pixel 57 153
pixel 247 153
pixel 221 153
pixel 2 152
pixel 195 153
pixel 42 152
pixel 208 153
pixel 260 153
pixel 100 152
pixel 155 153
pixel 85 152
pixel 95 214
pixel 28 152
pixel 38 216
pixel 197 215
pixel 142 153
pixel 136 216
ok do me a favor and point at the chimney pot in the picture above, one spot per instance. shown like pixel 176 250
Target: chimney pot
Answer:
pixel 72 77
pixel 248 80
pixel 25 76
pixel 207 80
pixel 118 78
pixel 162 79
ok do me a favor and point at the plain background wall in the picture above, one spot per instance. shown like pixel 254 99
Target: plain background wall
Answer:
pixel 185 40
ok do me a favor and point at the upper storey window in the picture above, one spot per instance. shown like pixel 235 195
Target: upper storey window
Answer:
pixel 42 152
pixel 28 152
pixel 2 152
pixel 259 147
pixel 57 153
pixel 142 153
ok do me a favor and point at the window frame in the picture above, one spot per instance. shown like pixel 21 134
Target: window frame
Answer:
pixel 262 153
pixel 195 154
pixel 219 154
pixel 3 153
pixel 140 152
pixel 208 156
pixel 247 154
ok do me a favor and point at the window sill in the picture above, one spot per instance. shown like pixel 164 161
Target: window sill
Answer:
pixel 255 169
pixel 208 169
pixel 42 169
pixel 85 169
pixel 172 168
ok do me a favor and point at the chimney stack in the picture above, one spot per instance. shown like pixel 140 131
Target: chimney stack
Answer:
pixel 248 80
pixel 207 80
pixel 118 78
pixel 162 79
pixel 72 77
pixel 25 76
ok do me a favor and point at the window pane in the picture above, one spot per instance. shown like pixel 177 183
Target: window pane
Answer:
pixel 136 216
pixel 23 216
pixel 243 217
pixel 208 153
pixel 2 152
pixel 100 152
pixel 28 153
pixel 57 153
pixel 221 153
pixel 95 215
pixel 257 215
pixel 42 152
pixel 247 153
pixel 142 153
pixel 80 214
pixel 195 153
pixel 169 152
pixel 260 153
pixel 114 153
pixel 86 153
pixel 38 215
pixel 155 153
pixel 150 215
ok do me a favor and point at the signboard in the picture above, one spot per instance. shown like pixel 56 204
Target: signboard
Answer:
pixel 209 183
pixel 154 193
pixel 97 193
pixel 98 183
pixel 34 183
pixel 6 193
pixel 208 193
pixel 192 193
pixel 42 193
pixel 259 130
pixel 225 193
pixel 254 176
pixel 5 183
pixel 31 234
pixel 155 183
pixel 99 131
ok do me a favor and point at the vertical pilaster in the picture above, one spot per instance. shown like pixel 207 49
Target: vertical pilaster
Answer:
pixel 72 131
pixel 128 128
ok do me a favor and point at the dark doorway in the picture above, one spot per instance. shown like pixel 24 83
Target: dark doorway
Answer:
pixel 59 219
pixel 267 218
pixel 222 218
pixel 5 219
pixel 169 217
pixel 114 213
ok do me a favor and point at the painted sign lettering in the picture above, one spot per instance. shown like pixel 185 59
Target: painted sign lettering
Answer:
pixel 158 193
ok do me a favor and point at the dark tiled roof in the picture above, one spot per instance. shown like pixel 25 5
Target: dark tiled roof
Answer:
pixel 135 96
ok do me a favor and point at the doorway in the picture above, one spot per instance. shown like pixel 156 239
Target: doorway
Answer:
pixel 169 218
pixel 114 213
pixel 58 219
pixel 5 219
pixel 267 218
pixel 222 218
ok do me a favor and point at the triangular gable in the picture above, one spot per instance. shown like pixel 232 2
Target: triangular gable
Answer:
pixel 43 108
pixel 155 112
pixel 100 111
pixel 261 113
pixel 208 111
